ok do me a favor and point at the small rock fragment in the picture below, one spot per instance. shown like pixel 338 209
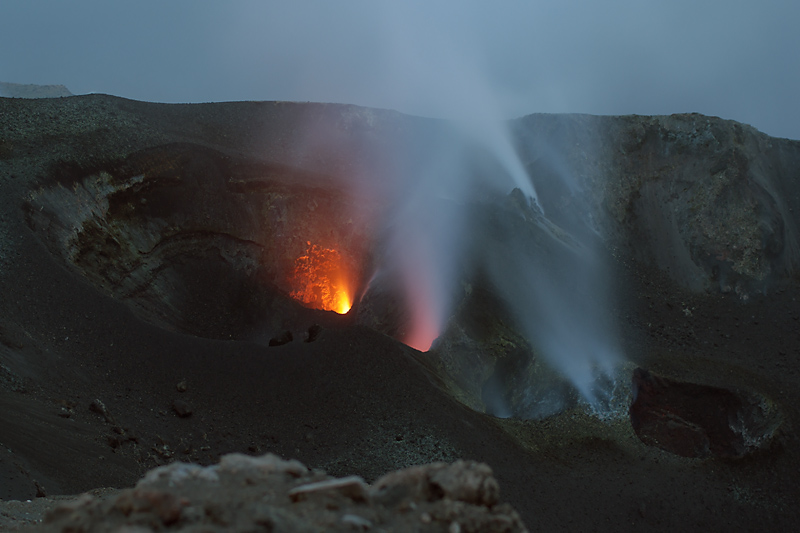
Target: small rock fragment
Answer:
pixel 40 492
pixel 264 466
pixel 356 522
pixel 280 340
pixel 352 487
pixel 181 408
pixel 181 386
pixel 100 408
pixel 312 333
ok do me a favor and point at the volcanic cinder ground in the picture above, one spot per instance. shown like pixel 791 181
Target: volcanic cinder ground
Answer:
pixel 145 253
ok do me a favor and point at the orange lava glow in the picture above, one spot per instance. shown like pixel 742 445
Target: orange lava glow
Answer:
pixel 321 280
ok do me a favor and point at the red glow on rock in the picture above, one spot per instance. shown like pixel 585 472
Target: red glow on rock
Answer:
pixel 321 280
pixel 421 337
pixel 425 325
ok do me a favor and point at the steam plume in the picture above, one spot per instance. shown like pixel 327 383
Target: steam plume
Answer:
pixel 558 299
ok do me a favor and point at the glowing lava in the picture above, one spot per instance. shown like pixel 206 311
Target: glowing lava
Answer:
pixel 321 280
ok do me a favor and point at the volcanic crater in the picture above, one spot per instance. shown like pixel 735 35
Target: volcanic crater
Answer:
pixel 212 248
pixel 223 247
pixel 197 241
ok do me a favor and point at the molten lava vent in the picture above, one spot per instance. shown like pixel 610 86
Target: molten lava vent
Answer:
pixel 201 242
pixel 322 280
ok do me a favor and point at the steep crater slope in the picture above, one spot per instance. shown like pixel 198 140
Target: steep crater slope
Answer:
pixel 711 202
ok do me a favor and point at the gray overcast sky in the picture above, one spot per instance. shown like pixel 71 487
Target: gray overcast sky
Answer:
pixel 730 58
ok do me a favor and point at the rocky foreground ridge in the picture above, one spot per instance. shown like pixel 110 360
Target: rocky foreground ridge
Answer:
pixel 244 493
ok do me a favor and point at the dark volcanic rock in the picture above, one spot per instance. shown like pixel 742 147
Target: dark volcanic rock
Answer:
pixel 284 338
pixel 100 408
pixel 181 408
pixel 695 420
pixel 312 333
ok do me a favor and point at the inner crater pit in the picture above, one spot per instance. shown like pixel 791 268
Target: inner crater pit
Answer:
pixel 202 242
